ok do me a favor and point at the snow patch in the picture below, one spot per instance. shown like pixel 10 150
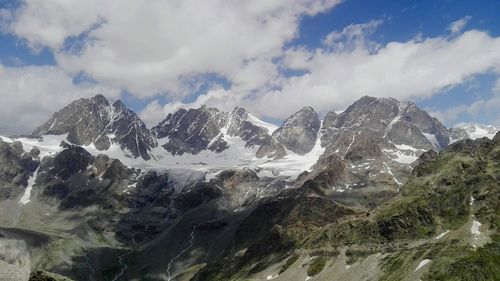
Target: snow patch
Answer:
pixel 293 164
pixel 406 147
pixel 442 234
pixel 48 144
pixel 259 123
pixel 211 175
pixel 401 156
pixel 474 229
pixel 432 139
pixel 422 264
pixel 390 173
pixel 26 198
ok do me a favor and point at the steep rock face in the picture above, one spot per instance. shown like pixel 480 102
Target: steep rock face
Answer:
pixel 194 130
pixel 16 167
pixel 238 124
pixel 94 121
pixel 297 134
pixel 191 131
pixel 378 139
pixel 73 178
pixel 401 123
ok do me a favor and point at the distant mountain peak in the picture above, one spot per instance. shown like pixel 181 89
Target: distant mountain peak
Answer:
pixel 473 131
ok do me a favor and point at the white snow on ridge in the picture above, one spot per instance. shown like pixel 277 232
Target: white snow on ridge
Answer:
pixel 48 144
pixel 208 162
pixel 259 123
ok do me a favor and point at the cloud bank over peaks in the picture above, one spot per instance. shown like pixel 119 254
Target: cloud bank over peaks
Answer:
pixel 334 77
pixel 148 47
pixel 174 49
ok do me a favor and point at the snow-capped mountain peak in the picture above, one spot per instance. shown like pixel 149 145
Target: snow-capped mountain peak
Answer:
pixel 94 121
pixel 474 130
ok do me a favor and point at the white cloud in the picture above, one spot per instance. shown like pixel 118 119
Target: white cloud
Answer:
pixel 352 37
pixel 29 95
pixel 496 87
pixel 458 25
pixel 403 70
pixel 476 110
pixel 484 106
pixel 148 47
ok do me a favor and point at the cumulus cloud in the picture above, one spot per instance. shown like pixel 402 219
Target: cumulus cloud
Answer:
pixel 458 25
pixel 414 69
pixel 352 37
pixel 481 107
pixel 29 95
pixel 149 47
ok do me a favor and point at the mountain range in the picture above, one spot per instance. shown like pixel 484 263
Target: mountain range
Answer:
pixel 363 194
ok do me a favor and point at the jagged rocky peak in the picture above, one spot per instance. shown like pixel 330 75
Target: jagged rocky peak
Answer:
pixel 401 123
pixel 194 130
pixel 95 121
pixel 251 130
pixel 297 134
pixel 191 131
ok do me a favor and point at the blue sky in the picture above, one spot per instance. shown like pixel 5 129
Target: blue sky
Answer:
pixel 271 57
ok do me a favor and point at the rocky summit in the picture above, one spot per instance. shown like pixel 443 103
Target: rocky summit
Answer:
pixel 298 134
pixel 93 121
pixel 379 191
